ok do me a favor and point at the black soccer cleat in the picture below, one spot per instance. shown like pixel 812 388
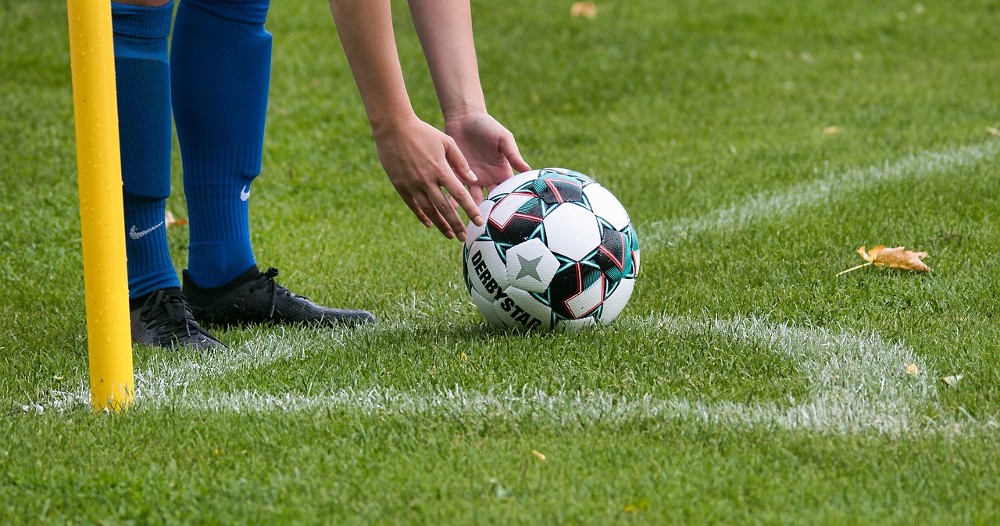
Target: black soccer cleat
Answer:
pixel 164 320
pixel 254 297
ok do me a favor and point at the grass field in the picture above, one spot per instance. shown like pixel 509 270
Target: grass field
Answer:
pixel 756 144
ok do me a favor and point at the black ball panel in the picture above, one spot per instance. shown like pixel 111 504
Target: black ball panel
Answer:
pixel 613 256
pixel 558 189
pixel 568 282
pixel 523 225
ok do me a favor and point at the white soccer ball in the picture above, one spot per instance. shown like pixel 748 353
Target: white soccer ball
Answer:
pixel 557 251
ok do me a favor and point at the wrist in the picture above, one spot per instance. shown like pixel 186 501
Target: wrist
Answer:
pixel 385 123
pixel 460 111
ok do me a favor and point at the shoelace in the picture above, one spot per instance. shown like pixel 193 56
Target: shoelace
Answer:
pixel 172 304
pixel 266 279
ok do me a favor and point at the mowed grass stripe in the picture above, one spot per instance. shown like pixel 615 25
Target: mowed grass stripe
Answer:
pixel 773 205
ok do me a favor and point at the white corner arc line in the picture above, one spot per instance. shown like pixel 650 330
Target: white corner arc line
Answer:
pixel 856 383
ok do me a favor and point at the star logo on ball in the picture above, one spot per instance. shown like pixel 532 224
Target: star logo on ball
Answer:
pixel 529 267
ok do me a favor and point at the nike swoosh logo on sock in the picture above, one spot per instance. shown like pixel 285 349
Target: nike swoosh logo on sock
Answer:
pixel 132 233
pixel 244 194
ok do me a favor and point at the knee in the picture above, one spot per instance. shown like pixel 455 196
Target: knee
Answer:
pixel 144 3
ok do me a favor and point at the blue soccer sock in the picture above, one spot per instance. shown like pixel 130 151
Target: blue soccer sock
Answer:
pixel 143 84
pixel 221 66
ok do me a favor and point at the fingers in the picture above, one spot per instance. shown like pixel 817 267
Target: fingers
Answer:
pixel 475 190
pixel 455 188
pixel 477 194
pixel 417 211
pixel 430 173
pixel 470 177
pixel 436 207
pixel 508 147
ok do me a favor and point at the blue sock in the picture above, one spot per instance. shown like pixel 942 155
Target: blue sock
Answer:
pixel 221 67
pixel 143 83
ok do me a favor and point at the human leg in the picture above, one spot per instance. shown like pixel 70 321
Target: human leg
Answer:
pixel 143 90
pixel 159 315
pixel 221 65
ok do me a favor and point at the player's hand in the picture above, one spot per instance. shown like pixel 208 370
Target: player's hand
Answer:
pixel 423 163
pixel 489 148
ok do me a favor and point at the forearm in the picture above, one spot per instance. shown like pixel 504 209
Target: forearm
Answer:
pixel 445 31
pixel 365 30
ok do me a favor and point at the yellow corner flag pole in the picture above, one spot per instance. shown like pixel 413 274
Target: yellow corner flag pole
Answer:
pixel 102 223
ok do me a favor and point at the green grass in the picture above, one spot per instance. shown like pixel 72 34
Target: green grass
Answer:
pixel 686 110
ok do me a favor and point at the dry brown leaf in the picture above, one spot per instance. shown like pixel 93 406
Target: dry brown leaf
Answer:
pixel 169 220
pixel 583 9
pixel 831 130
pixel 912 369
pixel 992 131
pixel 538 454
pixel 898 257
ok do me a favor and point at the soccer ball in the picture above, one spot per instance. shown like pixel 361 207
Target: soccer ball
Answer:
pixel 557 251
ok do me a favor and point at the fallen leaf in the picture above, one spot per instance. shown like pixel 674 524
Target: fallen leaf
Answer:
pixel 169 220
pixel 831 130
pixel 952 381
pixel 912 369
pixel 992 131
pixel 538 454
pixel 898 257
pixel 583 9
pixel 463 356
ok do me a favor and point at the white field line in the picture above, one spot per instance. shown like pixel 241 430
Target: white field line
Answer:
pixel 162 379
pixel 856 383
pixel 771 205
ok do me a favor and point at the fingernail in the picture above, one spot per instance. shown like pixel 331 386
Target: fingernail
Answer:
pixel 473 176
pixel 462 237
pixel 479 221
